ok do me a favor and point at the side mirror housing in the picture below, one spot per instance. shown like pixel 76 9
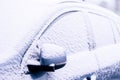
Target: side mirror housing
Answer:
pixel 52 57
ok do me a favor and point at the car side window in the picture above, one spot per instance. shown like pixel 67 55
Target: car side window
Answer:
pixel 102 29
pixel 69 31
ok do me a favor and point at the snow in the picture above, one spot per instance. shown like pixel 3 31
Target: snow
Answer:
pixel 108 55
pixel 20 22
pixel 77 65
pixel 68 32
pixel 84 62
pixel 52 54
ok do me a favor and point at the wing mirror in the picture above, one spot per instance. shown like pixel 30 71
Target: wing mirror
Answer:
pixel 52 57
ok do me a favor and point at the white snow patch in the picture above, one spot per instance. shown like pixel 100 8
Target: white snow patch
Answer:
pixel 51 53
pixel 108 55
pixel 77 65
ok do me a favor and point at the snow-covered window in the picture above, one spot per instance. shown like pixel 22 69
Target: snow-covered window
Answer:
pixel 102 29
pixel 68 31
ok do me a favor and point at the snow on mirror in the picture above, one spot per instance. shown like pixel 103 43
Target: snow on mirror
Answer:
pixel 52 57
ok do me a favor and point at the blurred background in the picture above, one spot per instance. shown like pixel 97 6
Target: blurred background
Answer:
pixel 113 5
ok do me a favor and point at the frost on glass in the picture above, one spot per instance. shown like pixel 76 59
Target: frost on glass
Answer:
pixel 102 29
pixel 68 31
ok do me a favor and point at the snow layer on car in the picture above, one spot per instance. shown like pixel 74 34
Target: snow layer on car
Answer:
pixel 33 19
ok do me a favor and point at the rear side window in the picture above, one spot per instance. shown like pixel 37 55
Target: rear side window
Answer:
pixel 102 29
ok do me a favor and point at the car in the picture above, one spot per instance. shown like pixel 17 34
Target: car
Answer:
pixel 60 40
